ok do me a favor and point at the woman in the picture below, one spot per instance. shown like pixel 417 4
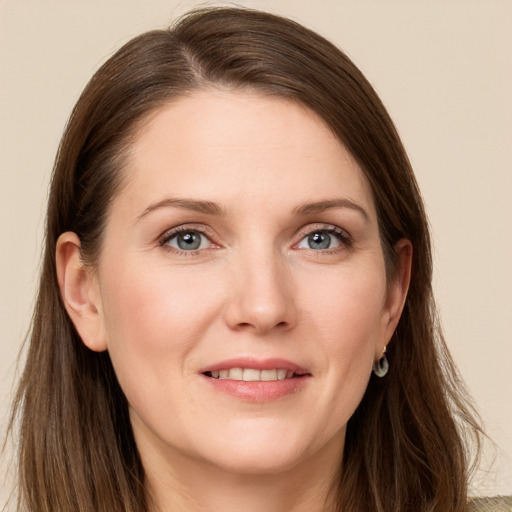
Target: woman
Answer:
pixel 235 308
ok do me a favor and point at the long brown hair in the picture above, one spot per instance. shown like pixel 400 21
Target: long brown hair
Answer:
pixel 405 444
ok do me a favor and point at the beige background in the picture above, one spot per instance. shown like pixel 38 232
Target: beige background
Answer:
pixel 443 68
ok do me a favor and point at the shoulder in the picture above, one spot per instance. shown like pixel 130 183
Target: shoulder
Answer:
pixel 494 504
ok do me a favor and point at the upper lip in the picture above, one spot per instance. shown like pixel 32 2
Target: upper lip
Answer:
pixel 257 364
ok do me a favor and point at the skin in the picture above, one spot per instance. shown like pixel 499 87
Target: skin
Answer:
pixel 255 288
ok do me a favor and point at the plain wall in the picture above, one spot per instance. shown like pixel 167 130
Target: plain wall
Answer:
pixel 442 67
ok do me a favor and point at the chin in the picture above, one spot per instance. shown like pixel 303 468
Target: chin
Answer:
pixel 258 464
pixel 258 454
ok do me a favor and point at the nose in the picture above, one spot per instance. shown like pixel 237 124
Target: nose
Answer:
pixel 261 299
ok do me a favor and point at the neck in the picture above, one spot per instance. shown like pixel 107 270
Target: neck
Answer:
pixel 178 483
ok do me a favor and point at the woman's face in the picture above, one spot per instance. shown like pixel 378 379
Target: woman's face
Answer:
pixel 241 289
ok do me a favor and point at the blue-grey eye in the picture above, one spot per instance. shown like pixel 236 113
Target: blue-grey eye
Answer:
pixel 320 241
pixel 189 241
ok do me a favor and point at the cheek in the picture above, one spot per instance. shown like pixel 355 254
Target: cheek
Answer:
pixel 349 310
pixel 153 320
pixel 147 306
pixel 347 322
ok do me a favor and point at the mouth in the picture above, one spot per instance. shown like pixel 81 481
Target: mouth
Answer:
pixel 253 374
pixel 255 380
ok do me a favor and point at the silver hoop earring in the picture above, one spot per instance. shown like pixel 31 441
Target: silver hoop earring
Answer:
pixel 381 367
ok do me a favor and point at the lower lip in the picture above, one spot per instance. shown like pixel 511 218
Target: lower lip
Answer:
pixel 259 391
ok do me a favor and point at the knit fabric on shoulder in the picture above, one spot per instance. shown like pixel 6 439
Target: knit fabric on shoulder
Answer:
pixel 494 504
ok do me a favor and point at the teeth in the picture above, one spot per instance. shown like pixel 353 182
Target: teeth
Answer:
pixel 235 374
pixel 253 375
pixel 268 375
pixel 281 374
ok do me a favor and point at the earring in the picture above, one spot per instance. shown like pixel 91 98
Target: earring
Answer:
pixel 381 367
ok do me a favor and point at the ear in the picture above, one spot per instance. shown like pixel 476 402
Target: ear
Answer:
pixel 398 287
pixel 79 290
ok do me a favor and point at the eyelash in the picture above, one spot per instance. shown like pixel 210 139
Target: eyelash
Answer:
pixel 346 241
pixel 343 237
pixel 174 232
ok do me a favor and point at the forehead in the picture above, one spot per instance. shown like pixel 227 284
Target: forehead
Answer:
pixel 228 145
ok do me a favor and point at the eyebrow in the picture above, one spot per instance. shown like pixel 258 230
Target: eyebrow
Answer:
pixel 321 206
pixel 211 208
pixel 206 207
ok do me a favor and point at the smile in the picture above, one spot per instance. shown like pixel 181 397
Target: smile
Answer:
pixel 252 374
pixel 256 380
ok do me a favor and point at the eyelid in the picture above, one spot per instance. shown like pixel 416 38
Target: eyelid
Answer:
pixel 345 237
pixel 167 235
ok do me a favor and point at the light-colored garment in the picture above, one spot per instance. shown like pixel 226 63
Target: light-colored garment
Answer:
pixel 495 504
